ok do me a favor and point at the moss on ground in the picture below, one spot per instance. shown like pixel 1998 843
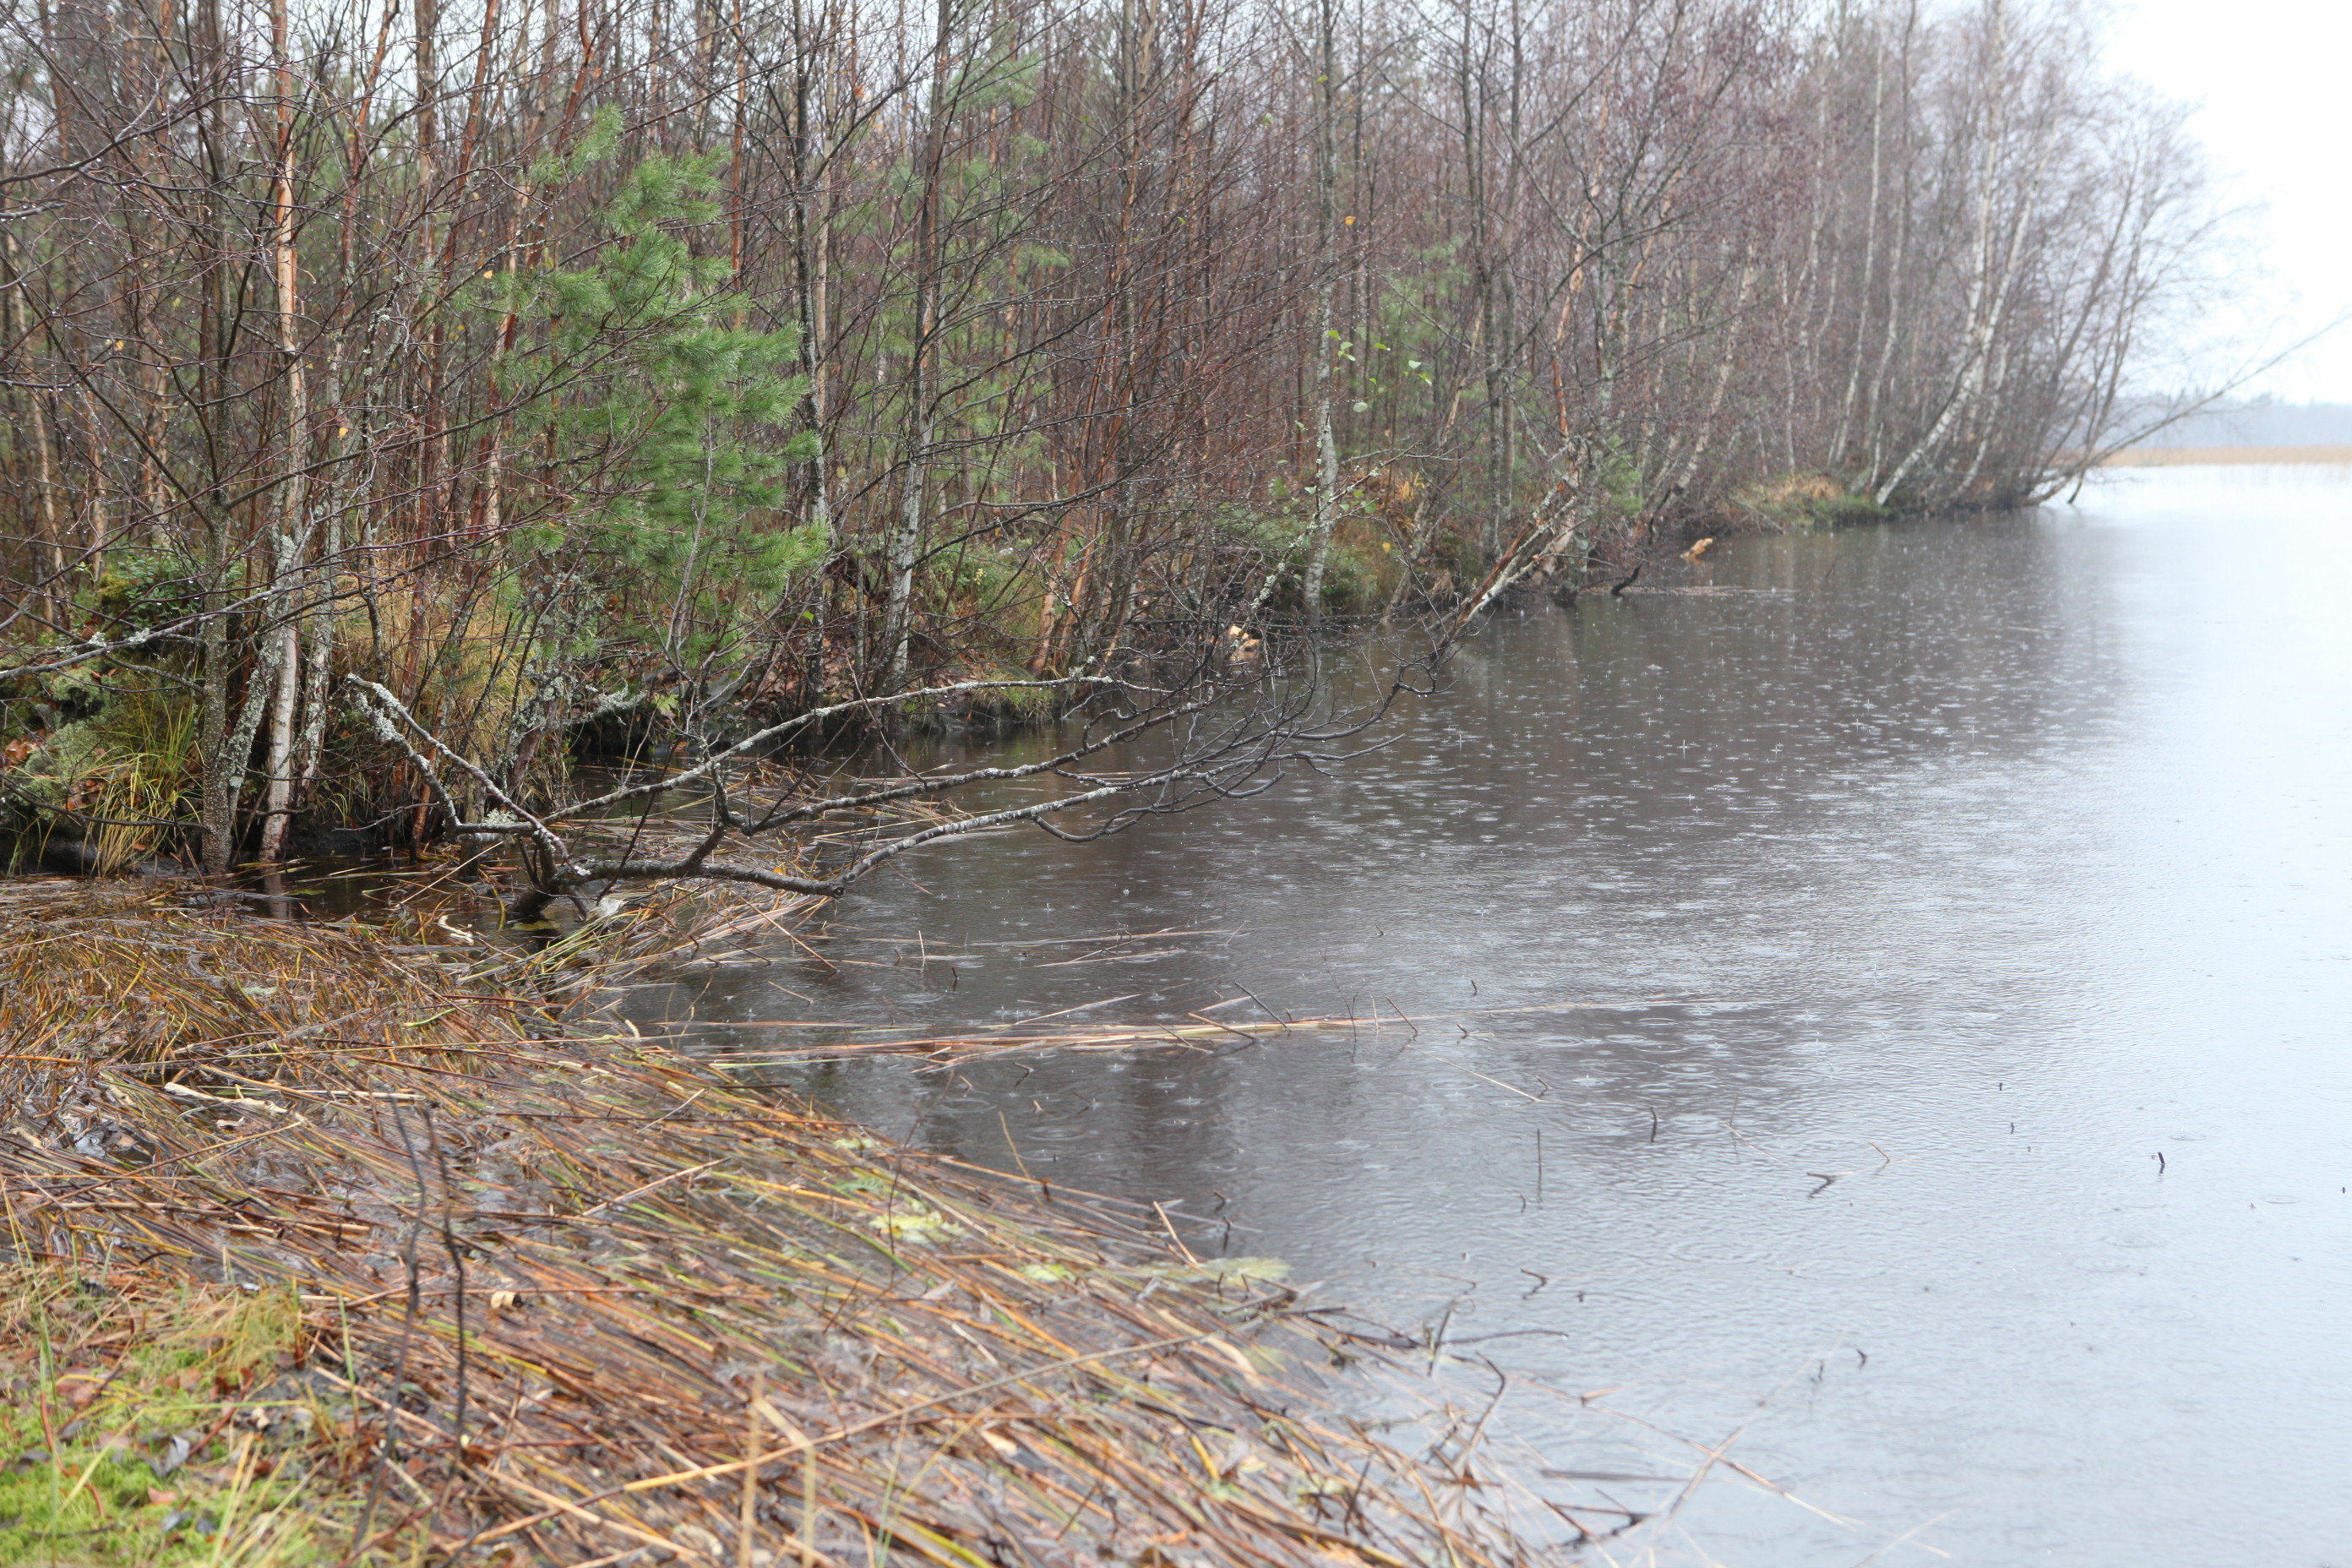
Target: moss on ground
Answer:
pixel 150 1422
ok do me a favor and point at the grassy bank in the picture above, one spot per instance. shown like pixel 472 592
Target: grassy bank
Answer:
pixel 324 1249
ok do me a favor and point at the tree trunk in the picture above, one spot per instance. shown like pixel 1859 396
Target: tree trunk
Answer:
pixel 905 542
pixel 1326 65
pixel 293 523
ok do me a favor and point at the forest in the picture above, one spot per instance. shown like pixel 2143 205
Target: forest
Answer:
pixel 404 403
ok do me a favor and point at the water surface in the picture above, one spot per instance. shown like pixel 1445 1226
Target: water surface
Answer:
pixel 1973 864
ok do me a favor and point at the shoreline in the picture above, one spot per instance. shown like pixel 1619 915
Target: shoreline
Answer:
pixel 342 1250
pixel 2230 457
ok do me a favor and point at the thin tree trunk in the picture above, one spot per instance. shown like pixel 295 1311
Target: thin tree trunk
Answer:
pixel 906 538
pixel 1869 243
pixel 293 523
pixel 223 761
pixel 221 774
pixel 1326 516
pixel 811 213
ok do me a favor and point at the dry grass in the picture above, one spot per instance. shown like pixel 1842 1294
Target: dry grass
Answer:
pixel 565 1297
pixel 2200 456
pixel 1799 500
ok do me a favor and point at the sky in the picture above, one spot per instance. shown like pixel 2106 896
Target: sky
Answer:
pixel 2275 117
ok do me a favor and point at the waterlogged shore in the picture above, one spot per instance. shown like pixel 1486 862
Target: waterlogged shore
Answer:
pixel 325 1247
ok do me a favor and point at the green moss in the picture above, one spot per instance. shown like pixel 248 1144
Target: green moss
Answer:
pixel 164 1428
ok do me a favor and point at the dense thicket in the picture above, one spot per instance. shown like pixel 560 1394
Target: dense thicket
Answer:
pixel 702 361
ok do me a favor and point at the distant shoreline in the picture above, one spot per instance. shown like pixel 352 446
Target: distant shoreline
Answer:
pixel 2187 456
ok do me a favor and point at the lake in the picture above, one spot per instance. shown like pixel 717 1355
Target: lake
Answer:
pixel 1884 1019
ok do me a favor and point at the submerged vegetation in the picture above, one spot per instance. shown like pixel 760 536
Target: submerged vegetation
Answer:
pixel 322 1252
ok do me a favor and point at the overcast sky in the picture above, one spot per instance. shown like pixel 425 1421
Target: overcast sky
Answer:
pixel 2276 119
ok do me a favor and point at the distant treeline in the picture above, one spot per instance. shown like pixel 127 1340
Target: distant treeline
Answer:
pixel 617 368
pixel 2231 422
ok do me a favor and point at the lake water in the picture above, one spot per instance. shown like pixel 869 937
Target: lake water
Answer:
pixel 1976 864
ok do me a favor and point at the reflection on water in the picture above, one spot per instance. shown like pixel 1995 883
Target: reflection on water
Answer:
pixel 1917 885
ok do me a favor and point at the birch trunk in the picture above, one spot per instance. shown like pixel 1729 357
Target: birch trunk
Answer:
pixel 1869 241
pixel 906 543
pixel 294 491
pixel 1325 515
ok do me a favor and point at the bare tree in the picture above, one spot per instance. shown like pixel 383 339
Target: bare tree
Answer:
pixel 569 370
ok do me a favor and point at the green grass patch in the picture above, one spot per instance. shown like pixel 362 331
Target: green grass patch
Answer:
pixel 166 1424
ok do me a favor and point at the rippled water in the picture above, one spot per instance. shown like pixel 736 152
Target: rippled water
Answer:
pixel 1976 864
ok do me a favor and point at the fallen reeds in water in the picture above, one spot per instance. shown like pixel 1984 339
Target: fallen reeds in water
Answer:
pixel 552 1297
pixel 1199 1032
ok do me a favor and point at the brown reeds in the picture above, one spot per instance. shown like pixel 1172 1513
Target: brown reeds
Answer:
pixel 567 1296
pixel 1199 1032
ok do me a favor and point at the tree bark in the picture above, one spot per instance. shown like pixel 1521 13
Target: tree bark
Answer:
pixel 905 542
